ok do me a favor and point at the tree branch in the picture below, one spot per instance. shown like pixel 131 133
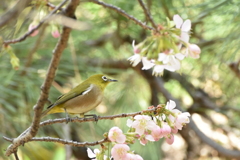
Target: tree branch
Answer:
pixel 61 45
pixel 123 13
pixel 70 142
pixel 235 67
pixel 64 141
pixel 22 38
pixel 147 13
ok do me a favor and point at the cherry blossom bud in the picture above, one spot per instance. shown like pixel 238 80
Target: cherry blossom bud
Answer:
pixel 194 51
pixel 170 139
pixel 56 34
pixel 31 27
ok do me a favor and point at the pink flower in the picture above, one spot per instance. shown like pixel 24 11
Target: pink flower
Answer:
pixel 193 51
pixel 169 139
pixel 166 129
pixel 145 138
pixel 181 120
pixel 31 27
pixel 56 34
pixel 130 156
pixel 116 135
pixel 174 130
pixel 156 133
pixel 143 123
pixel 171 106
pixel 137 58
pixel 184 26
pixel 119 151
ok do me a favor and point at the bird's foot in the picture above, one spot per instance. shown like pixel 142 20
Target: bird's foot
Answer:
pixel 68 119
pixel 92 115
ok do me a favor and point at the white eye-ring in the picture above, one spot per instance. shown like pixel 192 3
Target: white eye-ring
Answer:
pixel 104 78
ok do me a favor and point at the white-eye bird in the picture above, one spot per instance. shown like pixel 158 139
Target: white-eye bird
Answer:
pixel 81 99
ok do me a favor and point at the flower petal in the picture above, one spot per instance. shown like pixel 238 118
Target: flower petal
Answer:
pixel 186 26
pixel 161 56
pixel 135 59
pixel 185 37
pixel 90 153
pixel 147 64
pixel 129 123
pixel 180 56
pixel 133 43
pixel 150 138
pixel 177 20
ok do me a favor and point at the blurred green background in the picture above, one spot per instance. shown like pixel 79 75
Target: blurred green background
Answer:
pixel 103 47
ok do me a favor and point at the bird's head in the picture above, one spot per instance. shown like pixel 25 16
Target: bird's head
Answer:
pixel 100 80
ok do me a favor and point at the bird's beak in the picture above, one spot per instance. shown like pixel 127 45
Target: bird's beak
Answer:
pixel 112 80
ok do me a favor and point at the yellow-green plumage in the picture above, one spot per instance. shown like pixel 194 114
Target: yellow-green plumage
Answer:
pixel 81 99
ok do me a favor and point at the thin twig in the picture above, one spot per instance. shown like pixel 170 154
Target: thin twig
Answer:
pixel 16 156
pixel 69 142
pixel 122 12
pixel 81 120
pixel 27 34
pixel 52 6
pixel 147 13
pixel 61 45
pixel 63 141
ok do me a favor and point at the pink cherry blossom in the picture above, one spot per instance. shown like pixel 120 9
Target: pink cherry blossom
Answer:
pixel 184 26
pixel 171 106
pixel 156 133
pixel 31 27
pixel 165 129
pixel 131 156
pixel 174 130
pixel 193 51
pixel 143 140
pixel 181 120
pixel 56 34
pixel 116 135
pixel 119 151
pixel 169 139
pixel 143 123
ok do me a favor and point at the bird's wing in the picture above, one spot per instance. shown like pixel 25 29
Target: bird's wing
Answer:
pixel 72 94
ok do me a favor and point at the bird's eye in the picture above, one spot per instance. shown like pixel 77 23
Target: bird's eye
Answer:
pixel 104 78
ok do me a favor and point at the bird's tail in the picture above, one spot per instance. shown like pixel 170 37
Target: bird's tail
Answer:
pixel 46 112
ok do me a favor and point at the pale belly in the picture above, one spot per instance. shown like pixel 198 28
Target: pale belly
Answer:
pixel 83 103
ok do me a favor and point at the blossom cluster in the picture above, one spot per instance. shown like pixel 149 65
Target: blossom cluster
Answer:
pixel 146 129
pixel 166 48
